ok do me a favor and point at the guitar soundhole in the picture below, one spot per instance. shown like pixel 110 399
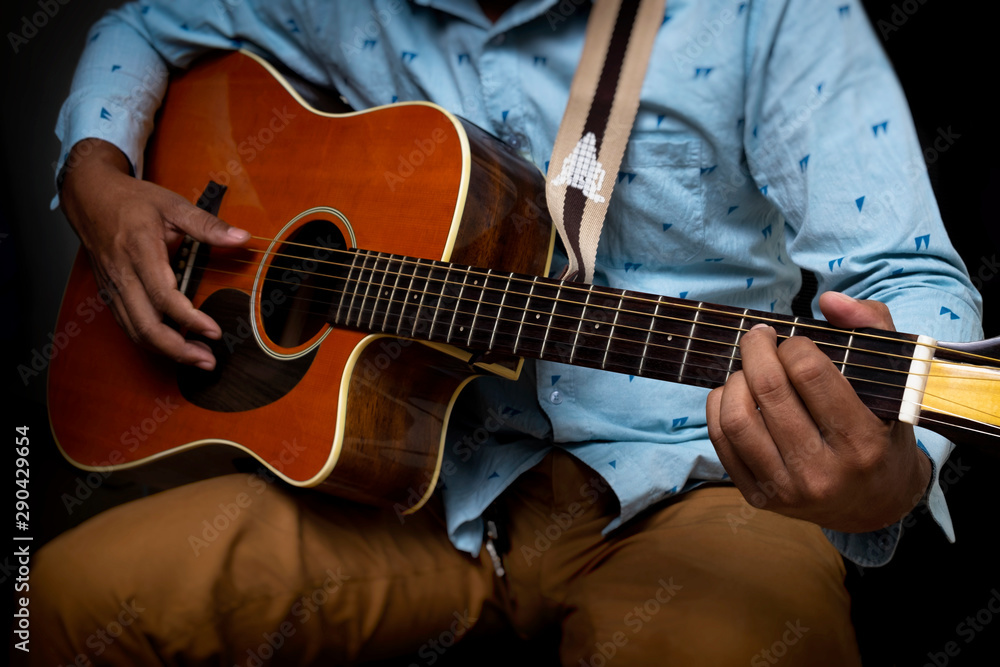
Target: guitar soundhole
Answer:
pixel 305 278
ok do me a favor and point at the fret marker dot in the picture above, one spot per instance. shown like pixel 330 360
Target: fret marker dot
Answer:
pixel 537 316
pixel 461 328
pixel 475 282
pixel 597 326
pixel 669 338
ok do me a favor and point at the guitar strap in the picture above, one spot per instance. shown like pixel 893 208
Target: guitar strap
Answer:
pixel 603 101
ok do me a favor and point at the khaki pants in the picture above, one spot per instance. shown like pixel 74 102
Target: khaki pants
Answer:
pixel 238 571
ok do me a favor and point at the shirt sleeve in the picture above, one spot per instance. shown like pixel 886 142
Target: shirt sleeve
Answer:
pixel 829 140
pixel 123 72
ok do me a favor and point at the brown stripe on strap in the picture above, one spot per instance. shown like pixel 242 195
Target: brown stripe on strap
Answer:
pixel 604 98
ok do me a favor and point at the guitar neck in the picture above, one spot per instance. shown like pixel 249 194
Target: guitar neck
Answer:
pixel 617 330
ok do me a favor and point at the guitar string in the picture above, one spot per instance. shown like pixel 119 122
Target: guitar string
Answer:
pixel 538 313
pixel 430 278
pixel 400 317
pixel 585 320
pixel 611 309
pixel 402 259
pixel 929 420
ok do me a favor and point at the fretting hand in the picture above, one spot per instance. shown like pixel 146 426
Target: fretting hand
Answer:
pixel 796 439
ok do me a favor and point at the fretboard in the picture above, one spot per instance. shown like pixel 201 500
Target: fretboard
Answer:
pixel 622 331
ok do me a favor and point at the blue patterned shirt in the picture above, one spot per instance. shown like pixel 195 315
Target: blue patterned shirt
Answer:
pixel 770 135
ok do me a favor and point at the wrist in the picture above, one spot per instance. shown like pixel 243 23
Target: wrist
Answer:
pixel 91 164
pixel 90 157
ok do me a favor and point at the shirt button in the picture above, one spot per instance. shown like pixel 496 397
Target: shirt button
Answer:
pixel 498 40
pixel 555 397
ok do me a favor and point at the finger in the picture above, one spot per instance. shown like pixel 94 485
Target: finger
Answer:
pixel 160 284
pixel 145 326
pixel 848 313
pixel 738 471
pixel 114 282
pixel 787 418
pixel 827 395
pixel 746 429
pixel 204 226
pixel 115 305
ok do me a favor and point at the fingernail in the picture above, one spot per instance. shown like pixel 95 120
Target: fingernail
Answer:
pixel 205 365
pixel 843 297
pixel 238 234
pixel 760 326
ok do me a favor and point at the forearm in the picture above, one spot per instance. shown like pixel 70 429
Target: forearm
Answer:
pixel 119 83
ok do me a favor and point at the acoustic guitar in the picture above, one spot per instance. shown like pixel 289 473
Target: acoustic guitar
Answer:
pixel 395 256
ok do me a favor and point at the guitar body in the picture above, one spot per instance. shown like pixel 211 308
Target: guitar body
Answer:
pixel 359 415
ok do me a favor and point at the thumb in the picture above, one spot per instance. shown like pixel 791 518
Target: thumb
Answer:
pixel 843 311
pixel 207 228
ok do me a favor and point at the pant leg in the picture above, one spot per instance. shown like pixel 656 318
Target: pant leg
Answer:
pixel 238 570
pixel 708 580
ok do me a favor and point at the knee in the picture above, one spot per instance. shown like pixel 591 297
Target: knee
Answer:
pixel 714 622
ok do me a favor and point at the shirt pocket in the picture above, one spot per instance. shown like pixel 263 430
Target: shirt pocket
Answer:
pixel 657 213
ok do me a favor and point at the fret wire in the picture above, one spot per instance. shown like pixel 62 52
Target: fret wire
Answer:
pixel 611 334
pixel 479 304
pixel 441 297
pixel 649 334
pixel 795 323
pixel 368 286
pixel 388 290
pixel 340 305
pixel 354 296
pixel 579 324
pixel 524 314
pixel 406 301
pixel 392 299
pixel 647 298
pixel 687 346
pixel 458 305
pixel 503 299
pixel 420 301
pixel 847 351
pixel 736 345
pixel 381 288
pixel 552 314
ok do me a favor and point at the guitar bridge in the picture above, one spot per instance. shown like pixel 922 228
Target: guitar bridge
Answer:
pixel 191 257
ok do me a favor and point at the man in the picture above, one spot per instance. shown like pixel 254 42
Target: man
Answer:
pixel 771 134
